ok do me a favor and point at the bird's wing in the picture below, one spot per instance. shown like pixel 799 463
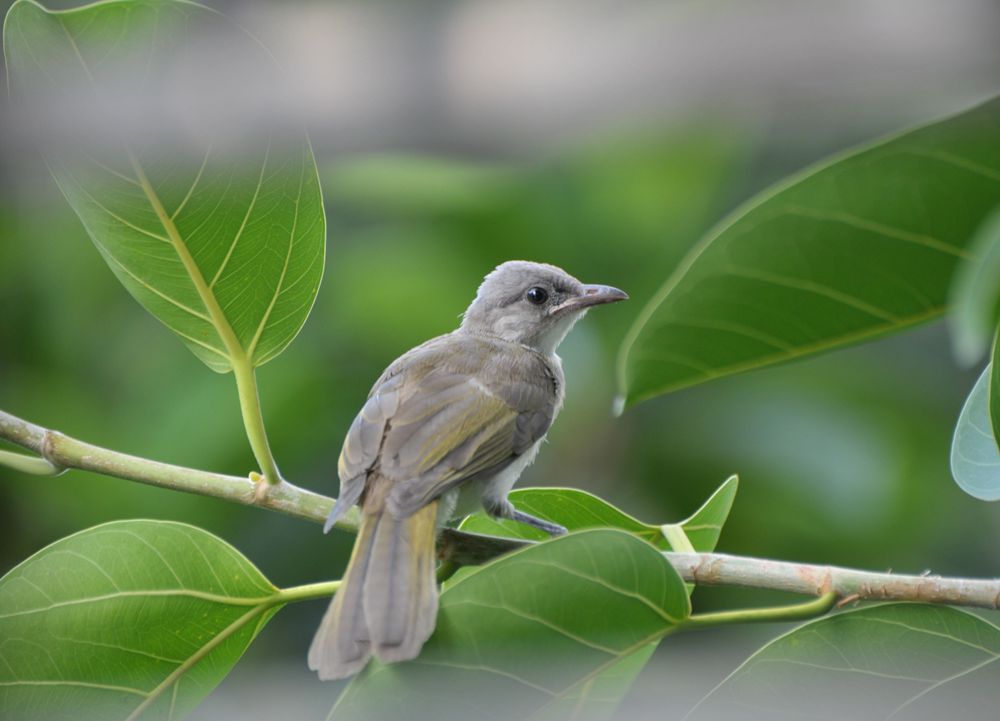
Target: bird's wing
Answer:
pixel 361 446
pixel 444 413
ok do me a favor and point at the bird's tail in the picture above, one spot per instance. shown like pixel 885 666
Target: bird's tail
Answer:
pixel 388 599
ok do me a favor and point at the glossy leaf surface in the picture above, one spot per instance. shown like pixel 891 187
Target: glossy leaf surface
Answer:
pixel 128 620
pixel 857 246
pixel 530 635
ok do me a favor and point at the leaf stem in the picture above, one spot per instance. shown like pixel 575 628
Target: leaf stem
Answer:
pixel 676 537
pixel 307 592
pixel 36 466
pixel 253 419
pixel 246 380
pixel 795 612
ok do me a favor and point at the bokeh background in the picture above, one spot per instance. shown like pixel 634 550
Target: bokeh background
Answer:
pixel 603 136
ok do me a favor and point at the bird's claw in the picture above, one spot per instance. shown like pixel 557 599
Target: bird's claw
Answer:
pixel 553 529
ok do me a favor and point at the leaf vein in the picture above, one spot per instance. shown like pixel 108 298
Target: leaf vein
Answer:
pixel 808 286
pixel 83 684
pixel 542 622
pixel 855 221
pixel 194 184
pixel 615 589
pixel 146 593
pixel 246 218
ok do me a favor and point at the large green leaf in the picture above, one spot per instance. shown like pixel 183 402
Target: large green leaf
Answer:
pixel 975 457
pixel 128 620
pixel 529 635
pixel 896 661
pixel 213 222
pixel 975 294
pixel 578 510
pixel 860 245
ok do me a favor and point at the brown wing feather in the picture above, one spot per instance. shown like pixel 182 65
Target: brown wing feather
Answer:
pixel 451 409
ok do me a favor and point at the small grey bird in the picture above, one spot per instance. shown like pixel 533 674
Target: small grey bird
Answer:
pixel 448 427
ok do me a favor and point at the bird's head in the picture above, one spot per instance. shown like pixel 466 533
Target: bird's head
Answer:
pixel 534 304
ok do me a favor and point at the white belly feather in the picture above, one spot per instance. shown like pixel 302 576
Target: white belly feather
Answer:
pixel 471 497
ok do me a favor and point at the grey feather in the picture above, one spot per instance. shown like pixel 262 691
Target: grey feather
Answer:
pixel 499 397
pixel 400 595
pixel 342 645
pixel 362 445
pixel 350 493
pixel 470 406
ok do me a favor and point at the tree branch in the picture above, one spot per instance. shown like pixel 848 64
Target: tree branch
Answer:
pixel 720 569
pixel 60 451
pixel 57 451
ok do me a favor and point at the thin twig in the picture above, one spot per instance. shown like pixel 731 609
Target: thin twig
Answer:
pixel 460 548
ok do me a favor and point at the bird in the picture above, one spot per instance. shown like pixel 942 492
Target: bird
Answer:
pixel 447 429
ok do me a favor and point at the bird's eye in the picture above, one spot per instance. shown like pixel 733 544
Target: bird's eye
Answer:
pixel 536 295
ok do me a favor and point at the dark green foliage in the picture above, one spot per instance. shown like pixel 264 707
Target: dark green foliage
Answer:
pixel 860 245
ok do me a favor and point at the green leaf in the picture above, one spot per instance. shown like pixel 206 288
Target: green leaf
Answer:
pixel 522 637
pixel 975 457
pixel 574 509
pixel 704 527
pixel 860 245
pixel 975 294
pixel 899 661
pixel 578 510
pixel 215 226
pixel 127 620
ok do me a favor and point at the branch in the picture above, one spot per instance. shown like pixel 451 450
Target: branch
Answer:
pixel 720 569
pixel 58 452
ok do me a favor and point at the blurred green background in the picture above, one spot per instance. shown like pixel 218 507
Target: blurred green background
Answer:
pixel 604 140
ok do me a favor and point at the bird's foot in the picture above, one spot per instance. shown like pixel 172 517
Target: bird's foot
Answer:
pixel 553 529
pixel 506 510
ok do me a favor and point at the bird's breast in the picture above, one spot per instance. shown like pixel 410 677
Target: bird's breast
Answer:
pixel 472 497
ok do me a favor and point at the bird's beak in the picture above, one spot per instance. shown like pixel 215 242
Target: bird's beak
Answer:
pixel 592 295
